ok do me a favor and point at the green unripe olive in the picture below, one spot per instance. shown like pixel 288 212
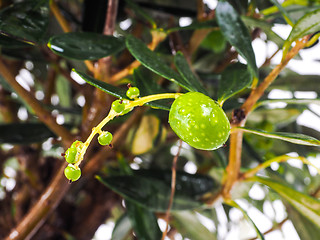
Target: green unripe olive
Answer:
pixel 118 106
pixel 105 138
pixel 199 121
pixel 72 173
pixel 70 155
pixel 133 92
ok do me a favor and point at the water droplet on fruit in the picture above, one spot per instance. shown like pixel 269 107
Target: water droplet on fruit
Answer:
pixel 182 111
pixel 202 126
pixel 196 139
pixel 192 122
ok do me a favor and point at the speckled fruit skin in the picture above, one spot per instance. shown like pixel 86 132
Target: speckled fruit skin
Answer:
pixel 199 121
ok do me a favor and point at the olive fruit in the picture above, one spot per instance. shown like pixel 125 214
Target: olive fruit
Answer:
pixel 72 173
pixel 118 106
pixel 133 92
pixel 199 121
pixel 72 151
pixel 70 154
pixel 105 138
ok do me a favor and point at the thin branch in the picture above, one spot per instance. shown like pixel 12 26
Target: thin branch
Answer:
pixel 42 113
pixel 173 188
pixel 60 18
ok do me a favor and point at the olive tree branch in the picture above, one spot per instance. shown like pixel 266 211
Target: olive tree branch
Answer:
pixel 42 113
pixel 173 188
pixel 239 119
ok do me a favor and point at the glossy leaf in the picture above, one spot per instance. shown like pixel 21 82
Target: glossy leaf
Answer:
pixel 85 45
pixel 233 80
pixel 144 222
pixel 295 138
pixel 185 71
pixel 236 33
pixel 24 133
pixel 103 86
pixel 148 86
pixel 236 205
pixel 26 21
pixel 190 227
pixel 309 23
pixel 304 204
pixel 152 61
pixel 152 190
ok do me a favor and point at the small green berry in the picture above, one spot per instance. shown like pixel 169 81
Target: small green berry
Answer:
pixel 118 106
pixel 199 121
pixel 133 92
pixel 72 173
pixel 105 138
pixel 70 155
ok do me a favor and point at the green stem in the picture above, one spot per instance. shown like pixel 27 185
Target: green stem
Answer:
pixel 129 105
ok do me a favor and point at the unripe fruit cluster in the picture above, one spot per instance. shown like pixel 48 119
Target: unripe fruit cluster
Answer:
pixel 199 121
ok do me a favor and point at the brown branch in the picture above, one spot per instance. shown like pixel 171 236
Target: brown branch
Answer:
pixel 233 168
pixel 47 202
pixel 43 114
pixel 258 92
pixel 173 188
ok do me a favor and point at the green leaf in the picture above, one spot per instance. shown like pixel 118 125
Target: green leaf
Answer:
pixel 185 71
pixel 139 11
pixel 24 133
pixel 85 45
pixel 147 86
pixel 234 79
pixel 194 26
pixel 309 23
pixel 236 33
pixel 214 41
pixel 152 190
pixel 295 101
pixel 304 204
pixel 266 27
pixel 103 86
pixel 144 222
pixel 115 91
pixel 189 226
pixel 122 228
pixel 152 61
pixel 306 229
pixel 283 11
pixel 236 205
pixel 8 42
pixel 295 138
pixel 26 21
